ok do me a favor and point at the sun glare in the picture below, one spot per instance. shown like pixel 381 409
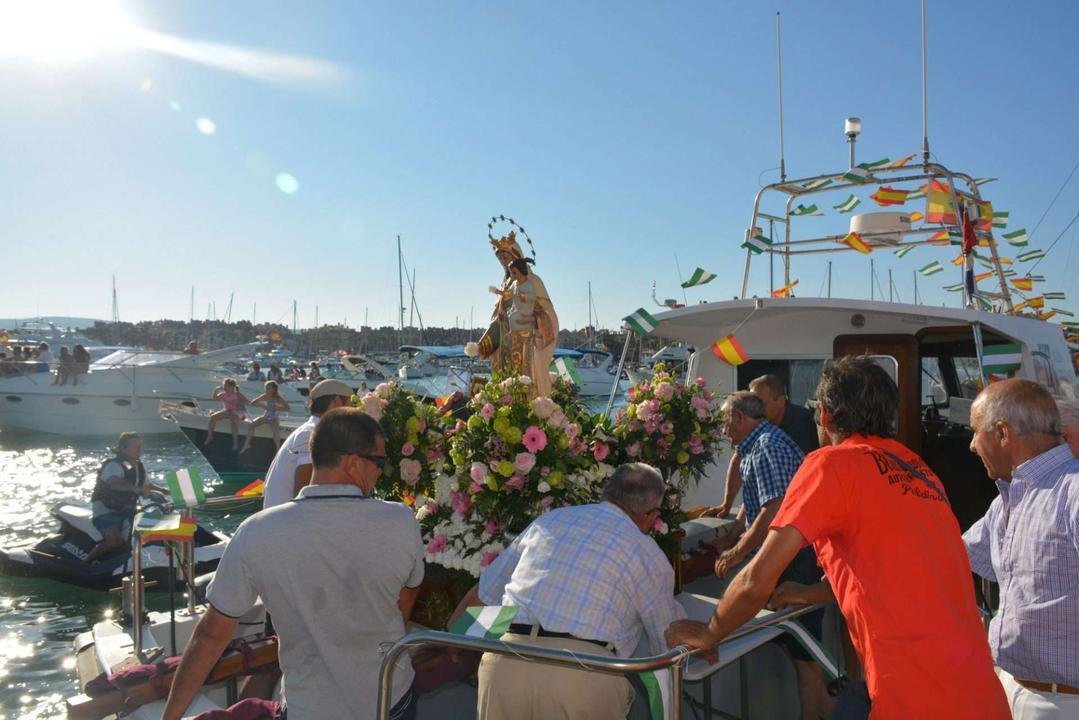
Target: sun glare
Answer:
pixel 63 30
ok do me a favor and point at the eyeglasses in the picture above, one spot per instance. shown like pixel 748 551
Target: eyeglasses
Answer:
pixel 379 460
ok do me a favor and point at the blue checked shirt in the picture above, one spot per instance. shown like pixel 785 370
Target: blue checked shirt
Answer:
pixel 769 460
pixel 1028 542
pixel 588 571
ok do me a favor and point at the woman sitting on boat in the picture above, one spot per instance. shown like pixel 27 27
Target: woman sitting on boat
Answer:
pixel 234 401
pixel 273 403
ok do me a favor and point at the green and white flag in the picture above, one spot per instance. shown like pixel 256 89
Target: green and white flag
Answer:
pixel 567 370
pixel 1062 311
pixel 185 487
pixel 1037 278
pixel 903 250
pixel 817 184
pixel 757 244
pixel 1054 296
pixel 700 276
pixel 932 268
pixel 984 261
pixel 487 622
pixel 1000 219
pixel 641 322
pixel 1073 326
pixel 657 683
pixel 849 204
pixel 954 288
pixel 857 175
pixel 1001 359
pixel 812 210
pixel 1018 238
pixel 1009 273
pixel 1030 255
pixel 874 165
pixel 916 194
pixel 983 303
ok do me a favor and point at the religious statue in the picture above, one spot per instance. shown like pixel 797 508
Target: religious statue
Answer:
pixel 524 327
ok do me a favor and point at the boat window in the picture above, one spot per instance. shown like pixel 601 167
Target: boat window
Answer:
pixel 14 398
pixel 70 401
pixel 890 365
pixel 122 402
pixel 1044 373
pixel 801 376
pixel 970 376
pixel 934 390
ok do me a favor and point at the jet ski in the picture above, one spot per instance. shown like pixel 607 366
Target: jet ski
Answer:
pixel 61 556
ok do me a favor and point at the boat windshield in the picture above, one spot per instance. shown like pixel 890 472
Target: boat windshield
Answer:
pixel 130 358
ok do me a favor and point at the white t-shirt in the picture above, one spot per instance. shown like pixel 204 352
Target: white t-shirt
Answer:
pixel 294 452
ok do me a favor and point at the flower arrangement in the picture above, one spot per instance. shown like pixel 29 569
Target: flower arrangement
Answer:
pixel 514 458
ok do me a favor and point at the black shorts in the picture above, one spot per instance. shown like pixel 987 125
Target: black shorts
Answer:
pixel 803 569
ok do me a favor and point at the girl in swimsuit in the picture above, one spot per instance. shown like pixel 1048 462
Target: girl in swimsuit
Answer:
pixel 273 403
pixel 234 401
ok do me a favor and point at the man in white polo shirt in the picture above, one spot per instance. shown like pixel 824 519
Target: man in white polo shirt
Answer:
pixel 291 467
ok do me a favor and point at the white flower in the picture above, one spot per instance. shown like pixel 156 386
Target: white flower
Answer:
pixel 422 513
pixel 472 349
pixel 525 380
pixel 543 487
pixel 384 390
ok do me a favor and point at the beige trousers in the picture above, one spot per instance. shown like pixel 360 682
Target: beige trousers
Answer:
pixel 512 689
pixel 1027 704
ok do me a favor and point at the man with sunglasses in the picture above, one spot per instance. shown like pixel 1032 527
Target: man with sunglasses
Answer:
pixel 340 571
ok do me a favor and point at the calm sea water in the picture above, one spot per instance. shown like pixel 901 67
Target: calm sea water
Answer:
pixel 40 618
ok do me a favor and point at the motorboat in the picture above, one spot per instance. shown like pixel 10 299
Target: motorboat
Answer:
pixel 596 370
pixel 122 391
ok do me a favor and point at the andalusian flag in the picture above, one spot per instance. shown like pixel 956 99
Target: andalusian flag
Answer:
pixel 489 623
pixel 857 175
pixel 657 683
pixel 817 184
pixel 919 193
pixel 1002 359
pixel 903 250
pixel 854 240
pixel 874 165
pixel 1037 278
pixel 902 161
pixel 784 291
pixel 757 244
pixel 1054 296
pixel 1000 219
pixel 1024 283
pixel 954 288
pixel 887 195
pixel 700 276
pixel 803 210
pixel 641 322
pixel 1009 273
pixel 185 487
pixel 939 207
pixel 1030 255
pixel 915 216
pixel 1018 238
pixel 730 351
pixel 932 269
pixel 173 527
pixel 982 303
pixel 567 370
pixel 255 489
pixel 847 205
pixel 1061 311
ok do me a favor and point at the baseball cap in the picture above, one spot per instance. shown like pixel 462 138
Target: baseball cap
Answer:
pixel 325 388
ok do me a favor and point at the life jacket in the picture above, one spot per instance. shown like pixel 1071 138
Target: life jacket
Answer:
pixel 134 473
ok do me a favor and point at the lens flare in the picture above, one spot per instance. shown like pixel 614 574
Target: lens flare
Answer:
pixel 287 183
pixel 206 126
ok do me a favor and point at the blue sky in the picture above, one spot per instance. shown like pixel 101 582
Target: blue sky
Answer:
pixel 618 134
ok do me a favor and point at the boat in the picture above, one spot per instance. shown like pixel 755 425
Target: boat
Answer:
pixel 122 392
pixel 596 369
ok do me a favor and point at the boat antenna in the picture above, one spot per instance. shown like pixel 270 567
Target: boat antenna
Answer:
pixel 678 265
pixel 779 62
pixel 925 95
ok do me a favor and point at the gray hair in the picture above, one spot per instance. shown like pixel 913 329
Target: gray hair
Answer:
pixel 1069 412
pixel 1023 404
pixel 635 487
pixel 746 403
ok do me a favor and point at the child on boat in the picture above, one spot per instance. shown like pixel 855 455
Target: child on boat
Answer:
pixel 234 401
pixel 273 403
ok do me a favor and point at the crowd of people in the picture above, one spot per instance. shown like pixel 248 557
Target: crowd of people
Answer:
pixel 69 366
pixel 861 521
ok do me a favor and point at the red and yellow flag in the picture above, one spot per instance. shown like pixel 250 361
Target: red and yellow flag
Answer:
pixel 939 206
pixel 985 216
pixel 784 291
pixel 959 260
pixel 940 238
pixel 854 240
pixel 730 351
pixel 984 276
pixel 254 489
pixel 887 195
pixel 916 217
pixel 1025 284
pixel 184 533
pixel 902 161
pixel 1037 302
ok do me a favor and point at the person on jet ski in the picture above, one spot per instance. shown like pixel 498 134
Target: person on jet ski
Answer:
pixel 121 481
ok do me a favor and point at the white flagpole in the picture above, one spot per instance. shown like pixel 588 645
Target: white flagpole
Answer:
pixel 618 375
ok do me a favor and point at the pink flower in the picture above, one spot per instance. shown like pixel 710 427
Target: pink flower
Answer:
pixel 546 501
pixel 517 482
pixel 633 449
pixel 558 418
pixel 600 451
pixel 474 487
pixel 488 558
pixel 410 471
pixel 650 426
pixel 658 525
pixel 534 439
pixel 666 428
pixel 573 430
pixel 524 462
pixel 433 453
pixel 432 507
pixel 487 411
pixel 700 382
pixel 545 471
pixel 644 412
pixel 491 526
pixel 461 503
pixel 372 406
pixel 438 544
pixel 665 391
pixel 407 449
pixel 478 472
pixel 506 399
pixel 544 406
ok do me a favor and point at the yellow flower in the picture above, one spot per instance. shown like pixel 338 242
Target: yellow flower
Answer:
pixel 505 468
pixel 683 457
pixel 475 422
pixel 512 435
pixel 412 425
pixel 492 482
pixel 563 442
pixel 631 411
pixel 556 478
pixel 501 425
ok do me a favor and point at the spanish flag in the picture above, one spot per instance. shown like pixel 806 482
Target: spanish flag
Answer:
pixel 939 207
pixel 730 351
pixel 902 161
pixel 784 291
pixel 251 490
pixel 170 528
pixel 985 216
pixel 855 241
pixel 984 276
pixel 916 217
pixel 940 238
pixel 887 195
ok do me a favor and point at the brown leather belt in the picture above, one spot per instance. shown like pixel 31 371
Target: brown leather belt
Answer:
pixel 1048 687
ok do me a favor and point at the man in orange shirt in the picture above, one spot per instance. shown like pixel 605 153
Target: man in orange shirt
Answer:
pixel 891 549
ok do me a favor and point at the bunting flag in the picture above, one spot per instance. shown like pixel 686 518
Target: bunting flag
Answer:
pixel 641 322
pixel 812 210
pixel 1018 238
pixel 874 165
pixel 1001 359
pixel 168 528
pixel 1030 255
pixel 1036 278
pixel 858 175
pixel 932 269
pixel 657 684
pixel 940 238
pixel 915 216
pixel 985 216
pixel 1047 314
pixel 784 291
pixel 1000 219
pixel 1025 284
pixel 1009 273
pixel 489 622
pixel 982 303
pixel 939 207
pixel 1037 302
pixel 886 196
pixel 567 370
pixel 700 276
pixel 919 193
pixel 983 276
pixel 903 250
pixel 954 288
pixel 847 205
pixel 255 489
pixel 1061 311
pixel 959 260
pixel 903 161
pixel 854 240
pixel 185 487
pixel 1054 296
pixel 818 184
pixel 730 351
pixel 983 181
pixel 757 244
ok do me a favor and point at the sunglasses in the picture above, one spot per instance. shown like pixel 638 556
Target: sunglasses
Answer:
pixel 379 460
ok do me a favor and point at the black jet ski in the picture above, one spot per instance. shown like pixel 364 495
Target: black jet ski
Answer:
pixel 60 557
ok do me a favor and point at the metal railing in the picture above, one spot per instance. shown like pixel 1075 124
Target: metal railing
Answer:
pixel 565 658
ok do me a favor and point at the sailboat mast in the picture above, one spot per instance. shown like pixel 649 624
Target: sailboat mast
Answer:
pixel 779 64
pixel 401 293
pixel 591 329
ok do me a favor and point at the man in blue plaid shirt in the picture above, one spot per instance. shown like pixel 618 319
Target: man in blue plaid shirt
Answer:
pixel 769 459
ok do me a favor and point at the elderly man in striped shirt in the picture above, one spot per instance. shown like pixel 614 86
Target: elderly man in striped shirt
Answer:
pixel 769 458
pixel 1028 542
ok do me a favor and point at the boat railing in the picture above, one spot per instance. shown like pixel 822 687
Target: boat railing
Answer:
pixel 673 658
